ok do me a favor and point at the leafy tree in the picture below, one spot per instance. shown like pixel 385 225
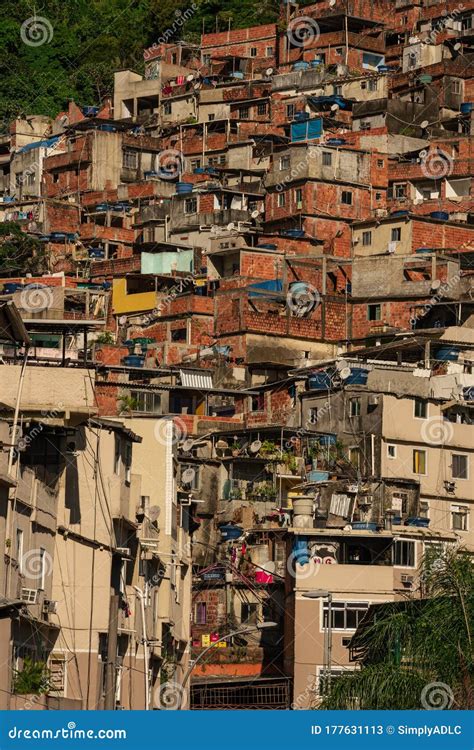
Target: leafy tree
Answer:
pixel 419 653
pixel 19 253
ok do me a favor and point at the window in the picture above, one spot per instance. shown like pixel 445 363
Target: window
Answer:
pixel 117 455
pixel 403 553
pixel 459 518
pixel 290 111
pixel 269 51
pixel 244 113
pixel 190 206
pixel 55 176
pixel 419 461
pixel 57 674
pixel 130 159
pixel 366 238
pixel 374 312
pixel 257 402
pixel 249 613
pixel 200 613
pixel 147 402
pixel 354 456
pixel 299 197
pixel 327 159
pixel 206 59
pixel 167 108
pixel 346 197
pixel 284 163
pixel 459 466
pixel 400 190
pixel 195 163
pixel 179 334
pixel 466 23
pixel 424 509
pixel 338 51
pixel 391 450
pixel 372 84
pixel 128 461
pixel 262 108
pixel 420 408
pixel 281 200
pixel 345 615
pixel 456 87
pixel 354 407
pixel 380 163
pixel 211 116
pixel 42 568
pixel 19 550
pixel 222 159
pixel 396 234
pixel 313 415
pixel 364 125
pixel 400 503
pixel 337 90
pixel 253 52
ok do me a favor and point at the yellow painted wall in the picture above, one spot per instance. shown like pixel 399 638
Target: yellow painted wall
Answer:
pixel 128 303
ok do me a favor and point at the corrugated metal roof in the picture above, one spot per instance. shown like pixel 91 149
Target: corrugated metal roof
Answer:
pixel 195 379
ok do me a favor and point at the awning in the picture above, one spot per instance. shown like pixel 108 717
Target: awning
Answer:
pixel 196 379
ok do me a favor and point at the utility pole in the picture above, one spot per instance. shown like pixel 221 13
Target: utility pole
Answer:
pixel 111 666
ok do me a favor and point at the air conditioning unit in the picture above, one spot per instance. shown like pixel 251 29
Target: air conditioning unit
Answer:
pixel 124 551
pixel 29 595
pixel 407 579
pixel 50 607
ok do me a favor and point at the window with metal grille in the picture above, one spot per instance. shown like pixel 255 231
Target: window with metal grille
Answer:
pixel 459 517
pixel 57 674
pixel 344 615
pixel 147 402
pixel 190 206
pixel 327 159
pixel 130 159
pixel 403 553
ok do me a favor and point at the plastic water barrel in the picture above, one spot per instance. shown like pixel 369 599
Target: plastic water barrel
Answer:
pixel 441 215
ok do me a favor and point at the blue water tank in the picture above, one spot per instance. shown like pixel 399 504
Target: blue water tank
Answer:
pixel 317 476
pixel 364 525
pixel 293 233
pixel 262 288
pixel 327 440
pixel 320 381
pixel 300 551
pixel 229 531
pixel 133 360
pixel 467 107
pixel 184 187
pixel 301 65
pixel 396 214
pixel 447 353
pixel 237 74
pixel 441 215
pixel 358 376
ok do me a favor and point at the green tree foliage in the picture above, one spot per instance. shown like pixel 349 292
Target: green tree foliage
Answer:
pixel 19 253
pixel 417 654
pixel 90 39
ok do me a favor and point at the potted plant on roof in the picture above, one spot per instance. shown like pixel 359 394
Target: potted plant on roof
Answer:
pixel 268 449
pixel 235 448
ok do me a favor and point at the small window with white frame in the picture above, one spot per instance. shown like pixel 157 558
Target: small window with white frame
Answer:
pixel 459 518
pixel 459 466
pixel 391 450
pixel 403 553
pixel 420 408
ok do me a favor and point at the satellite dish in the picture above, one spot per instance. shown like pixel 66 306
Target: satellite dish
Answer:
pixel 154 512
pixel 255 214
pixel 190 77
pixel 424 124
pixel 341 365
pixel 231 226
pixel 188 444
pixel 255 446
pixel 122 320
pixel 332 3
pixel 345 372
pixel 188 475
pixel 457 46
pixel 269 71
